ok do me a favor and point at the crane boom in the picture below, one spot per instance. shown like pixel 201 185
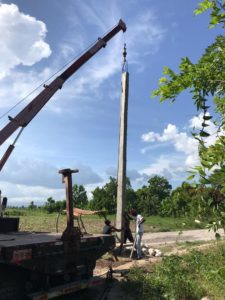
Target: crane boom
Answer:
pixel 29 112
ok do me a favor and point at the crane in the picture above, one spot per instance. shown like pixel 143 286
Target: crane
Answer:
pixel 23 118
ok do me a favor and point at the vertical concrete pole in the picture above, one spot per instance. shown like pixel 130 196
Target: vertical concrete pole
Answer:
pixel 122 156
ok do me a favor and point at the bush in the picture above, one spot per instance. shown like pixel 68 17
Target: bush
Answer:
pixel 189 277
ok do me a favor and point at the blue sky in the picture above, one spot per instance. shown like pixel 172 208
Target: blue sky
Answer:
pixel 79 127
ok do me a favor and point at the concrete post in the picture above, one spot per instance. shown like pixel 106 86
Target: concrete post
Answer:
pixel 121 177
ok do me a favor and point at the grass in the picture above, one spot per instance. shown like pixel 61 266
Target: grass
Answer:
pixel 187 245
pixel 38 220
pixel 193 276
pixel 157 223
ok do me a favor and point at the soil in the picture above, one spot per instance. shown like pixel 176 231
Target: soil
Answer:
pixel 121 267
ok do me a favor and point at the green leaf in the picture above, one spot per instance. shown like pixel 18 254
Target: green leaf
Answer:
pixel 206 118
pixel 204 134
pixel 191 177
pixel 217 236
pixel 205 125
pixel 162 80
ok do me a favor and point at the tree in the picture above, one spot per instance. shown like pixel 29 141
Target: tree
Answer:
pixel 131 198
pixel 186 200
pixel 80 199
pixel 149 198
pixel 205 80
pixel 32 205
pixel 54 206
pixel 105 197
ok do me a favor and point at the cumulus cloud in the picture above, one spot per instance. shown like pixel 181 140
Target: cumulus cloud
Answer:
pixel 169 166
pixel 172 166
pixel 143 27
pixel 32 180
pixel 38 173
pixel 212 129
pixel 180 140
pixel 22 195
pixel 23 40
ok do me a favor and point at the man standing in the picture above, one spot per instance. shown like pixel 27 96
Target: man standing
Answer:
pixel 127 232
pixel 139 231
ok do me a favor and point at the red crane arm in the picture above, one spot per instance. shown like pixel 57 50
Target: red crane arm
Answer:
pixel 30 111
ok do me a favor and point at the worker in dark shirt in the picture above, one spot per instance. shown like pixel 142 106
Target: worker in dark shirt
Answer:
pixel 127 231
pixel 108 228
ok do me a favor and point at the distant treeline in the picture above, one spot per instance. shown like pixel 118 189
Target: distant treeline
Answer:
pixel 155 198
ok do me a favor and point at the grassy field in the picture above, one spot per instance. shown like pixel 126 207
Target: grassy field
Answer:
pixel 38 220
pixel 188 276
pixel 192 276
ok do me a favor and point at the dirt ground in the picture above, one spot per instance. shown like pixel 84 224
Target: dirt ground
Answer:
pixel 159 240
pixel 155 240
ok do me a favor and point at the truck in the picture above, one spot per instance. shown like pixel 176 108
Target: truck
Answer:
pixel 38 265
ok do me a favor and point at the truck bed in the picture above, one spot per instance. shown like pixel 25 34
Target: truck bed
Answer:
pixel 16 239
pixel 29 248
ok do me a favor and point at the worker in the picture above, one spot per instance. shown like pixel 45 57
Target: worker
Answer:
pixel 139 231
pixel 108 228
pixel 127 232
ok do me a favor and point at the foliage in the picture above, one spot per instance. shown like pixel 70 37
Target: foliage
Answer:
pixel 191 276
pixel 217 7
pixel 205 81
pixel 40 220
pixel 190 200
pixel 54 206
pixel 105 197
pixel 32 205
pixel 149 198
pixel 80 199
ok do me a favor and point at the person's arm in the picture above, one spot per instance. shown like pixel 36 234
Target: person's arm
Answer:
pixel 131 217
pixel 116 229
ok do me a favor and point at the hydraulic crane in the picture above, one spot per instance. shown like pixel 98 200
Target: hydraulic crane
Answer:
pixel 36 265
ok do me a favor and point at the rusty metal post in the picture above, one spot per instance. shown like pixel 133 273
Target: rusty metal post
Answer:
pixel 67 179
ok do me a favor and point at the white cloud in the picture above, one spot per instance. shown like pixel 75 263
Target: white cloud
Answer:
pixel 22 195
pixel 144 27
pixel 212 129
pixel 149 33
pixel 38 173
pixel 180 141
pixel 32 180
pixel 171 166
pixel 23 40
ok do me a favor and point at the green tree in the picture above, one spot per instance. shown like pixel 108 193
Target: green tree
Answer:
pixel 205 81
pixel 79 194
pixel 184 201
pixel 105 197
pixel 149 198
pixel 32 205
pixel 54 206
pixel 131 197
